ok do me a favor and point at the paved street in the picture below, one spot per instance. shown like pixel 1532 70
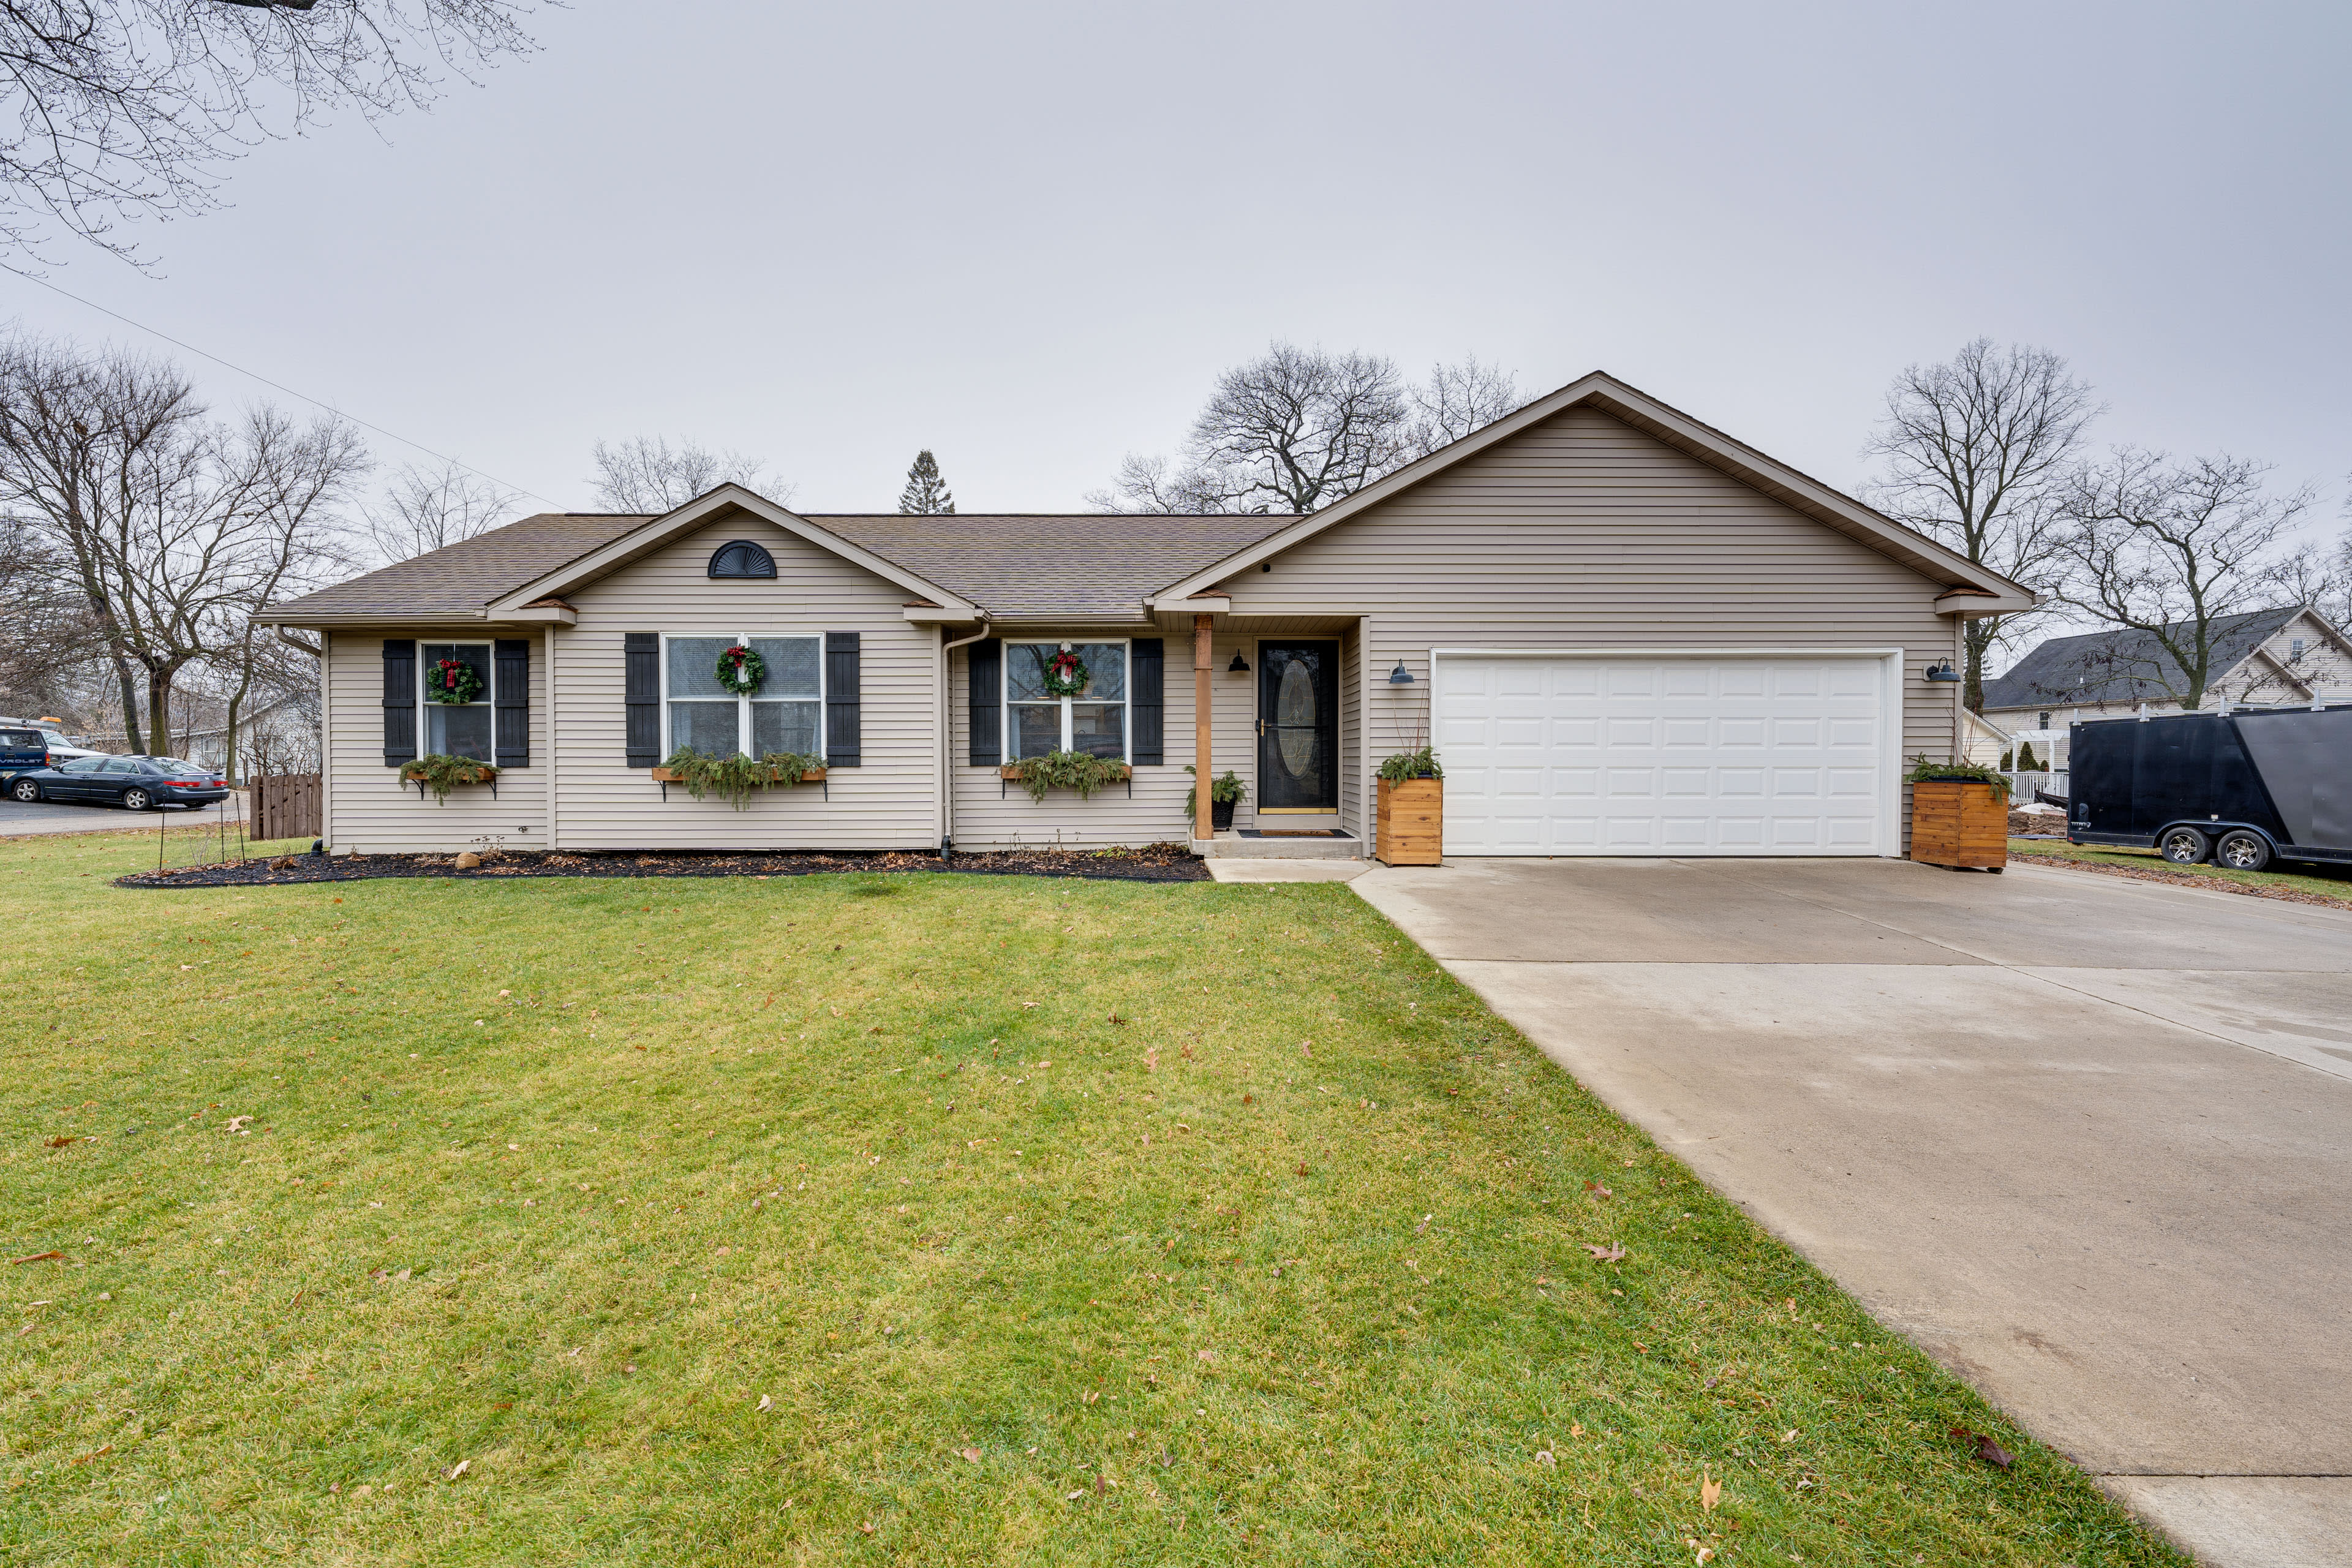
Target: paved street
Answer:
pixel 2088 1141
pixel 65 817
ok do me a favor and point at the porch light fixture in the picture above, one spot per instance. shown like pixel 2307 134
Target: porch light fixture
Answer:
pixel 1240 665
pixel 1399 676
pixel 1942 672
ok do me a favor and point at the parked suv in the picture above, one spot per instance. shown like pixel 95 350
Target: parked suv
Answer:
pixel 22 749
pixel 61 751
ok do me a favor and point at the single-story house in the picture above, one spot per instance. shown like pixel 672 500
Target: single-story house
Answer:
pixel 1625 631
pixel 2290 655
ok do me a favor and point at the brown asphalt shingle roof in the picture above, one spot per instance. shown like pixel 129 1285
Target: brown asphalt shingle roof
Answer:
pixel 459 579
pixel 1039 563
pixel 1023 563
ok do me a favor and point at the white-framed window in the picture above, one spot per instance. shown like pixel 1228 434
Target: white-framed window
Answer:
pixel 2295 647
pixel 786 714
pixel 1093 720
pixel 456 728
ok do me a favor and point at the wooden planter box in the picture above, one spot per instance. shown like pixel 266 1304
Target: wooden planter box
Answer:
pixel 1958 823
pixel 1410 823
pixel 1009 775
pixel 671 776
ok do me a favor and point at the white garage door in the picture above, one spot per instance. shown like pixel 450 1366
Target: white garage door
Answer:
pixel 1633 755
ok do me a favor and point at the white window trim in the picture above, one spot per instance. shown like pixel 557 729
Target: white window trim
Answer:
pixel 1005 704
pixel 424 703
pixel 743 701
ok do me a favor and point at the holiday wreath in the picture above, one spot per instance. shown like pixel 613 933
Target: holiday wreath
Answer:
pixel 740 671
pixel 1065 674
pixel 454 681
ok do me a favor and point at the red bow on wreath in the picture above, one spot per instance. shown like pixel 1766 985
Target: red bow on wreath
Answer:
pixel 449 669
pixel 1065 666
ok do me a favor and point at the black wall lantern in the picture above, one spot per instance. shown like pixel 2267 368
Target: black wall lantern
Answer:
pixel 1240 665
pixel 1943 671
pixel 1399 676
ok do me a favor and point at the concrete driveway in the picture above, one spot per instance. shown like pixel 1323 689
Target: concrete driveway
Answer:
pixel 2085 1141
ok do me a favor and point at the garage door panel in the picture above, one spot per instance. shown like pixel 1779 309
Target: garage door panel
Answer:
pixel 1675 756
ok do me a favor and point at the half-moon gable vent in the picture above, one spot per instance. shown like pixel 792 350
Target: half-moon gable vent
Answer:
pixel 742 558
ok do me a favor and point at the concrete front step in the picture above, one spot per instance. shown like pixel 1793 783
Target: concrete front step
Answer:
pixel 1233 847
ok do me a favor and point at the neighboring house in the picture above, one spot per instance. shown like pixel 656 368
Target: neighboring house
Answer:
pixel 1628 634
pixel 2287 657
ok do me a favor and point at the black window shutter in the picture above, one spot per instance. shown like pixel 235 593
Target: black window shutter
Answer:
pixel 986 662
pixel 1146 681
pixel 510 685
pixel 399 700
pixel 641 658
pixel 840 715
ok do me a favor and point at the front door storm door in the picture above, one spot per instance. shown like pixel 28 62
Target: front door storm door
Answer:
pixel 1297 727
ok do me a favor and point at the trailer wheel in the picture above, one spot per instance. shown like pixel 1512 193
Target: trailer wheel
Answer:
pixel 2242 851
pixel 2185 845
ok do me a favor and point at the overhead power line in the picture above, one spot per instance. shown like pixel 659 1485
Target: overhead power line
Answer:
pixel 313 402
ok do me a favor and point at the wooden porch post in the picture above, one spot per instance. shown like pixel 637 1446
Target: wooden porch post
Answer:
pixel 1200 829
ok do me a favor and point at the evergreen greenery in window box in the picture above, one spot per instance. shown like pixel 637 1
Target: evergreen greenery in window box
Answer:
pixel 441 773
pixel 1224 792
pixel 734 777
pixel 1080 770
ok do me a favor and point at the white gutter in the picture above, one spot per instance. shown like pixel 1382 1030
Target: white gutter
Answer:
pixel 944 714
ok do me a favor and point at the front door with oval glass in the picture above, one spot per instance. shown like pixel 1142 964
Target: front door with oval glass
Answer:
pixel 1297 727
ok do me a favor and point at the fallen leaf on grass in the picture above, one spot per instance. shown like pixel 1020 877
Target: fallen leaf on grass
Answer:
pixel 65 1141
pixel 1075 1495
pixel 1152 1059
pixel 1423 1225
pixel 766 1402
pixel 462 1467
pixel 94 1453
pixel 1544 1457
pixel 1302 1167
pixel 972 1454
pixel 1605 1254
pixel 1598 1190
pixel 1710 1491
pixel 52 1256
pixel 1984 1448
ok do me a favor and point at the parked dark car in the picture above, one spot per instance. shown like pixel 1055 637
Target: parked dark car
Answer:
pixel 22 750
pixel 2239 789
pixel 137 783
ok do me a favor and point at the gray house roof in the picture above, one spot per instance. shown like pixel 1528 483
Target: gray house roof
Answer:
pixel 1012 564
pixel 2125 666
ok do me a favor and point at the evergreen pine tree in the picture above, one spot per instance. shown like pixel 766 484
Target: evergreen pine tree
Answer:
pixel 926 494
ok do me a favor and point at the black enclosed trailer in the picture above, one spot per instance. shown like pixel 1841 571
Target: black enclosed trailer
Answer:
pixel 2241 789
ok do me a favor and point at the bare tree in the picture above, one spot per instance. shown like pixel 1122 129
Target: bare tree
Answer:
pixel 2171 548
pixel 646 474
pixel 115 109
pixel 1977 451
pixel 1297 428
pixel 1457 399
pixel 172 529
pixel 424 510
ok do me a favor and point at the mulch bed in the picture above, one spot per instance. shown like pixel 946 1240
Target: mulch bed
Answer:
pixel 1152 863
pixel 2184 879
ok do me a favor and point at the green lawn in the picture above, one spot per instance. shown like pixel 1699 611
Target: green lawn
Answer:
pixel 2328 881
pixel 867 1219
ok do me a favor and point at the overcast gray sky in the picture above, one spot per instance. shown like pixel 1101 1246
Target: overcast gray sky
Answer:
pixel 1027 236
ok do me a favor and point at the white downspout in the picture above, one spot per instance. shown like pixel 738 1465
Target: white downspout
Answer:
pixel 945 717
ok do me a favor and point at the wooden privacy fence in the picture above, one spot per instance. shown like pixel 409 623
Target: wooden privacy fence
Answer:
pixel 287 805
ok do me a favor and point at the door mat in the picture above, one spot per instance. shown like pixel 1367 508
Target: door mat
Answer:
pixel 1294 832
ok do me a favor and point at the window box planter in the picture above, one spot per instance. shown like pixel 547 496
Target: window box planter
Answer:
pixel 1410 822
pixel 669 776
pixel 1958 823
pixel 1011 774
pixel 435 776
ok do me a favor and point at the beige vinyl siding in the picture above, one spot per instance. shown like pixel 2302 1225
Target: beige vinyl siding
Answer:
pixel 368 809
pixel 991 814
pixel 1582 532
pixel 888 803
